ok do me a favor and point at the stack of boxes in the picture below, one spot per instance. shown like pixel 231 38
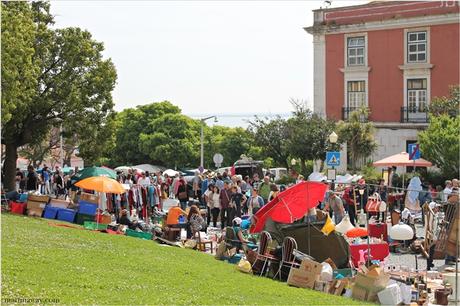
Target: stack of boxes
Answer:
pixel 87 208
pixel 36 204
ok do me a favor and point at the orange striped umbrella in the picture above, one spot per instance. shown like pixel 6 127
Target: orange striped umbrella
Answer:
pixel 101 184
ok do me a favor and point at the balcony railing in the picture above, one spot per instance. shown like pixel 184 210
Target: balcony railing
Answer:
pixel 413 115
pixel 346 113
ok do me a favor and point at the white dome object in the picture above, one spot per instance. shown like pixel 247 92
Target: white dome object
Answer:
pixel 401 231
pixel 344 225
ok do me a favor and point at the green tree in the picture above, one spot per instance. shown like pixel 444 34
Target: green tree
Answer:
pixel 358 135
pixel 271 136
pixel 19 70
pixel 449 105
pixel 440 143
pixel 130 124
pixel 308 135
pixel 174 140
pixel 73 84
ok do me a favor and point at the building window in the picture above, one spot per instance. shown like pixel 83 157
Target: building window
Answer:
pixel 355 51
pixel 416 95
pixel 416 47
pixel 356 91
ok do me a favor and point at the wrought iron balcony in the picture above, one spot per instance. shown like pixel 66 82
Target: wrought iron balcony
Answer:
pixel 346 113
pixel 414 115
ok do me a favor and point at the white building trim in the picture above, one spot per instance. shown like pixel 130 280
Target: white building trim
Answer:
pixel 319 72
pixel 388 24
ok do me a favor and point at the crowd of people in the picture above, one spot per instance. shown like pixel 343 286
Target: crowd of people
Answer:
pixel 46 181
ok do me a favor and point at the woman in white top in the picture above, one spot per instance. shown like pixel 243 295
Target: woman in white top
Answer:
pixel 214 204
pixel 207 199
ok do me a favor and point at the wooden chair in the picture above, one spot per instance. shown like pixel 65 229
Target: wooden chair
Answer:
pixel 287 255
pixel 202 243
pixel 262 254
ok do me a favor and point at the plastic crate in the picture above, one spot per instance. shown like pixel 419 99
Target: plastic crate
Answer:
pixel 142 235
pixel 87 208
pixel 18 208
pixel 81 218
pixel 50 212
pixel 91 225
pixel 65 214
pixel 23 198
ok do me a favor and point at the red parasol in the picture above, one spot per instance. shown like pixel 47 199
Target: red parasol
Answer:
pixel 290 205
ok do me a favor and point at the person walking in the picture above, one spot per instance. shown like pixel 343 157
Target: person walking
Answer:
pixel 225 211
pixel 335 204
pixel 46 180
pixel 255 202
pixel 207 199
pixel 214 203
pixel 238 199
pixel 32 179
pixel 182 192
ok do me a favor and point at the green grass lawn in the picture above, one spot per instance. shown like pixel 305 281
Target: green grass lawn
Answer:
pixel 83 267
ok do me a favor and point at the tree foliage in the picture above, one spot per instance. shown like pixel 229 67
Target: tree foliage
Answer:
pixel 358 135
pixel 308 135
pixel 272 137
pixel 439 143
pixel 173 140
pixel 449 105
pixel 130 124
pixel 68 82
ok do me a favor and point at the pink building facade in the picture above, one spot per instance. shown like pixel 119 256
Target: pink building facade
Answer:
pixel 390 56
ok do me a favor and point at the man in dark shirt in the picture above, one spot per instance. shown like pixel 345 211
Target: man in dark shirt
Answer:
pixel 225 211
pixel 32 181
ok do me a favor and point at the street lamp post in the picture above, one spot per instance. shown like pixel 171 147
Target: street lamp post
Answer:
pixel 202 139
pixel 333 140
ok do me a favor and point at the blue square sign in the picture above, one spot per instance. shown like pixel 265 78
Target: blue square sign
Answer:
pixel 414 151
pixel 333 159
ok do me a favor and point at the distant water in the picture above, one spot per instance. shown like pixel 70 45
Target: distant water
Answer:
pixel 237 120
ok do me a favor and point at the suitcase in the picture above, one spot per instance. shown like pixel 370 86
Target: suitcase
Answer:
pixel 378 230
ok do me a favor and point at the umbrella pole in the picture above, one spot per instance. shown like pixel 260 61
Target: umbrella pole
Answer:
pixel 309 236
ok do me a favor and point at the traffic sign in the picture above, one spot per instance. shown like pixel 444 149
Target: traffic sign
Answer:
pixel 414 151
pixel 333 159
pixel 218 158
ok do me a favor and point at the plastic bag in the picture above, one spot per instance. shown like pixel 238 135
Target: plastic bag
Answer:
pixel 326 272
pixel 244 266
pixel 190 244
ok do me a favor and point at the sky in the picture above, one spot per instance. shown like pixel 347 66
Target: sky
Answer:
pixel 233 59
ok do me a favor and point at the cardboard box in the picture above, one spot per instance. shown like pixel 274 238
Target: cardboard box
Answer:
pixel 35 209
pixel 306 275
pixel 368 285
pixel 88 197
pixel 38 198
pixel 338 286
pixel 59 203
pixel 35 205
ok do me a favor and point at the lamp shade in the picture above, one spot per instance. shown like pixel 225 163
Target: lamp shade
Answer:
pixel 401 231
pixel 344 225
pixel 356 232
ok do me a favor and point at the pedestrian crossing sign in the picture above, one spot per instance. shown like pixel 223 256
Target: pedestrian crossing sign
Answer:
pixel 333 159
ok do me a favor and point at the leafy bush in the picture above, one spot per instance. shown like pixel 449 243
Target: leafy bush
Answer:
pixel 371 174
